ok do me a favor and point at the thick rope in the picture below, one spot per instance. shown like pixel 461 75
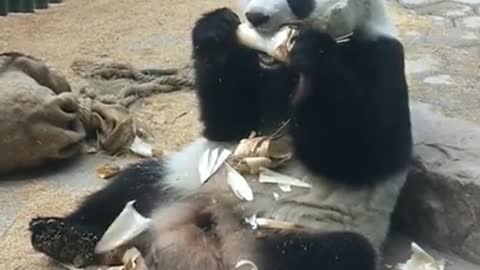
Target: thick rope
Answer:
pixel 148 81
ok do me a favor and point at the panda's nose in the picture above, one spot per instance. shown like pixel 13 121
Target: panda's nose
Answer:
pixel 257 18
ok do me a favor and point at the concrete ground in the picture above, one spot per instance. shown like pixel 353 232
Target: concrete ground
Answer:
pixel 442 41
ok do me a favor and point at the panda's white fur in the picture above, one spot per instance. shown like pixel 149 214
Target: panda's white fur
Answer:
pixel 371 17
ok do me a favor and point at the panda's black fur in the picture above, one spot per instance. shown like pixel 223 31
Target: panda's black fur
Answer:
pixel 350 130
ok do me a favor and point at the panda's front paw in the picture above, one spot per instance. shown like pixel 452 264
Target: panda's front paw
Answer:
pixel 215 33
pixel 310 50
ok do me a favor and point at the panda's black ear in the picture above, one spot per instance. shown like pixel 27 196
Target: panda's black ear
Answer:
pixel 301 8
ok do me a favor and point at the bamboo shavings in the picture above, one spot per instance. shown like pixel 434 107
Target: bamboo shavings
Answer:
pixel 253 165
pixel 70 267
pixel 141 148
pixel 263 147
pixel 421 260
pixel 276 224
pixel 284 181
pixel 267 223
pixel 210 161
pixel 285 187
pixel 124 228
pixel 252 221
pixel 254 153
pixel 238 184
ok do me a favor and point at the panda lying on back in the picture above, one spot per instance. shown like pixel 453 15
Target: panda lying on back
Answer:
pixel 350 129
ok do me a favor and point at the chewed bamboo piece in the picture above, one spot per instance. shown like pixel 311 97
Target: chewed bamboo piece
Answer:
pixel 255 153
pixel 278 45
pixel 128 225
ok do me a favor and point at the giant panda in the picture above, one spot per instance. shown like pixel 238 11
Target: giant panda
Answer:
pixel 349 128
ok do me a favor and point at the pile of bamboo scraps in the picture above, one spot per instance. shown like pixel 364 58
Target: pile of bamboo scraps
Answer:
pixel 133 83
pixel 271 151
pixel 253 156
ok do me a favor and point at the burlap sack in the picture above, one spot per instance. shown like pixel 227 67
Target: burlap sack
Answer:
pixel 36 124
pixel 112 124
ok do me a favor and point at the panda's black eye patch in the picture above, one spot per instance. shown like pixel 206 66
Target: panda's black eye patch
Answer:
pixel 301 8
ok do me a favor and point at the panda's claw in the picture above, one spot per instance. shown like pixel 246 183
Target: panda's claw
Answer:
pixel 62 241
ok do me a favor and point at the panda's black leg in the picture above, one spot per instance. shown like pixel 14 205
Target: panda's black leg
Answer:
pixel 72 239
pixel 228 77
pixel 326 251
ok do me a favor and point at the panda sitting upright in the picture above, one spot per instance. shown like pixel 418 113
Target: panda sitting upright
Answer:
pixel 349 128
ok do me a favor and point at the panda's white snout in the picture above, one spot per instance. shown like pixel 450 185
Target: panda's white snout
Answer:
pixel 267 16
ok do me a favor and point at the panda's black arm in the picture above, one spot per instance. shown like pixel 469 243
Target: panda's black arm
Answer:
pixel 227 78
pixel 351 114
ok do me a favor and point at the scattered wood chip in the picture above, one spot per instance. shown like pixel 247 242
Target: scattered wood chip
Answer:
pixel 285 187
pixel 124 228
pixel 70 267
pixel 239 184
pixel 141 148
pixel 266 223
pixel 132 260
pixel 210 161
pixel 276 224
pixel 421 260
pixel 252 221
pixel 270 177
pixel 92 150
pixel 177 117
pixel 108 171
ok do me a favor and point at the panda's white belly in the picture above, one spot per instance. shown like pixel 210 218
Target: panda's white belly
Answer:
pixel 325 206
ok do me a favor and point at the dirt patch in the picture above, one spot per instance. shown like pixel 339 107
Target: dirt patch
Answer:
pixel 406 21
